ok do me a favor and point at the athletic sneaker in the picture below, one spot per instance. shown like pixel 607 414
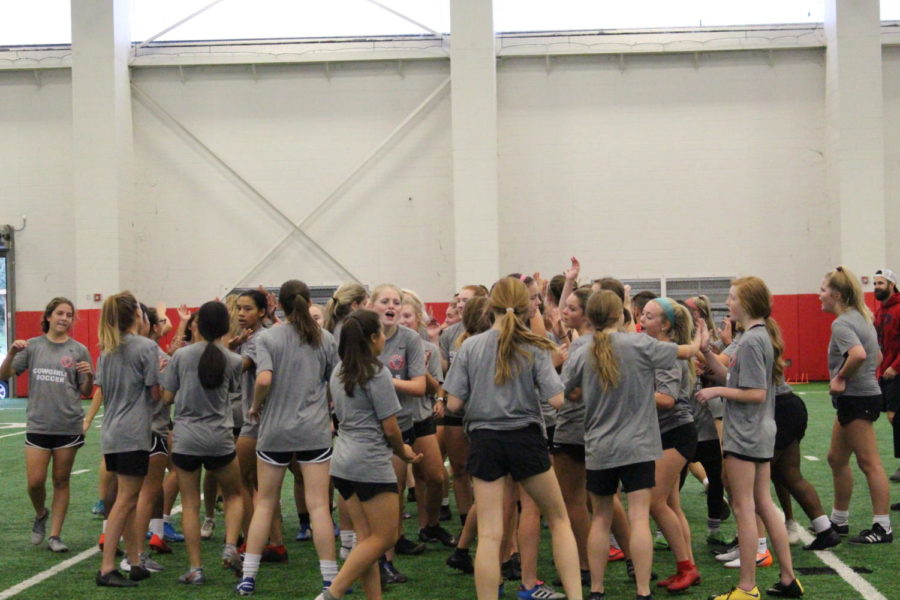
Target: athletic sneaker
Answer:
pixel 793 531
pixel 791 590
pixel 344 552
pixel 274 554
pixel 138 573
pixel 146 562
pixel 896 476
pixel 39 528
pixel 408 547
pixel 876 535
pixel 246 587
pixel 437 534
pixel 231 559
pixel 113 579
pixel 512 568
pixel 446 515
pixel 729 555
pixel 461 561
pixel 304 533
pixel 390 574
pixel 102 540
pixel 660 542
pixel 737 593
pixel 895 506
pixel 207 529
pixel 541 591
pixel 824 540
pixel 615 554
pixel 159 545
pixel 54 544
pixel 98 509
pixel 596 596
pixel 170 534
pixel 193 577
pixel 716 538
pixel 762 560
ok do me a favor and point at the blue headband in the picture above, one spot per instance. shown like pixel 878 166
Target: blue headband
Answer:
pixel 667 307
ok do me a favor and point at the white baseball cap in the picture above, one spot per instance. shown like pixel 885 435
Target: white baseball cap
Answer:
pixel 887 274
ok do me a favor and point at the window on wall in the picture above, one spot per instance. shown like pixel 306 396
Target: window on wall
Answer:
pixel 35 22
pixel 890 10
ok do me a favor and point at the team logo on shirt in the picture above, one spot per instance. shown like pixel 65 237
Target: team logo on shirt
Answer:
pixel 396 362
pixel 67 362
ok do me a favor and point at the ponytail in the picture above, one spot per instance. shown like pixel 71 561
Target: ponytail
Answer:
pixel 846 284
pixel 294 298
pixel 509 303
pixel 774 332
pixel 604 309
pixel 358 363
pixel 339 304
pixel 213 321
pixel 756 300
pixel 605 360
pixel 116 317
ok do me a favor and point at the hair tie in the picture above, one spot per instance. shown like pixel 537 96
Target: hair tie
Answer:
pixel 667 307
pixel 510 309
pixel 523 277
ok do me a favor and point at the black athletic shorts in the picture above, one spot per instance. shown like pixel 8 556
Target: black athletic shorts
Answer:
pixel 850 408
pixel 365 491
pixel 790 420
pixel 573 451
pixel 683 438
pixel 160 445
pixel 890 391
pixel 452 420
pixel 423 428
pixel 551 431
pixel 135 463
pixel 744 457
pixel 283 459
pixel 190 462
pixel 708 451
pixel 634 477
pixel 409 436
pixel 48 441
pixel 494 453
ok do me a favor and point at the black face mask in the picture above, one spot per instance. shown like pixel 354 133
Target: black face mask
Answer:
pixel 882 294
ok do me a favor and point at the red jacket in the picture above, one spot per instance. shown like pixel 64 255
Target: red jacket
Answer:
pixel 887 323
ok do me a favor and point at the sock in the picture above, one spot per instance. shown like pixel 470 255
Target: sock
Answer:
pixel 167 519
pixel 104 526
pixel 445 502
pixel 713 525
pixel 348 538
pixel 884 521
pixel 304 519
pixel 763 546
pixel 462 551
pixel 821 523
pixel 251 564
pixel 840 517
pixel 706 482
pixel 156 527
pixel 613 542
pixel 329 569
pixel 462 518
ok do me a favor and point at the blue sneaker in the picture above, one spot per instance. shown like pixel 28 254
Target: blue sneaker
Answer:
pixel 246 587
pixel 541 591
pixel 170 535
pixel 304 534
pixel 98 509
pixel 327 584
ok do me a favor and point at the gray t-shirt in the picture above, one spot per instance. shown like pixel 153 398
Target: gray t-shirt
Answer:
pixel 621 427
pixel 295 416
pixel 162 413
pixel 848 330
pixel 54 399
pixel 448 338
pixel 361 452
pixel 675 382
pixel 404 356
pixel 126 376
pixel 570 418
pixel 703 418
pixel 749 429
pixel 203 419
pixel 512 405
pixel 425 406
pixel 247 350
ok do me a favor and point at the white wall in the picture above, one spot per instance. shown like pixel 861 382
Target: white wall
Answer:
pixel 890 58
pixel 664 168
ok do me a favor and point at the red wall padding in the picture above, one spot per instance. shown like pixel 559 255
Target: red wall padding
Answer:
pixel 804 326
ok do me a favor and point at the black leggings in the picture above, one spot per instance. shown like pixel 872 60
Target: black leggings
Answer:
pixel 709 454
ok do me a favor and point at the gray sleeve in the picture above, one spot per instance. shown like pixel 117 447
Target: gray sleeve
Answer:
pixel 668 381
pixel 22 360
pixel 444 342
pixel 434 366
pixel 415 357
pixel 545 376
pixel 83 356
pixel 751 359
pixel 573 369
pixel 263 355
pixel 457 381
pixel 843 336
pixel 248 348
pixel 234 382
pixel 662 355
pixel 100 372
pixel 384 398
pixel 332 357
pixel 150 364
pixel 168 379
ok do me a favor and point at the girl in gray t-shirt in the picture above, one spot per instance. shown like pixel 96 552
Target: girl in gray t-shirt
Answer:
pixel 294 362
pixel 59 373
pixel 853 357
pixel 749 424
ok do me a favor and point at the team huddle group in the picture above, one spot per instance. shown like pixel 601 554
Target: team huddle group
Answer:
pixel 576 404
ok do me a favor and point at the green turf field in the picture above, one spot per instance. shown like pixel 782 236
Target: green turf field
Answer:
pixel 429 577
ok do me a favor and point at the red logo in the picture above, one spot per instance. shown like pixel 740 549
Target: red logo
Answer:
pixel 67 362
pixel 396 362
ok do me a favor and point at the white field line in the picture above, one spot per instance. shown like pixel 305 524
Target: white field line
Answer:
pixel 812 458
pixel 865 589
pixel 12 434
pixel 59 568
pixel 81 471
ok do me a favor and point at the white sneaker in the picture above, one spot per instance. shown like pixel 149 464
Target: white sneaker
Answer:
pixel 762 560
pixel 344 552
pixel 206 530
pixel 729 555
pixel 793 531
